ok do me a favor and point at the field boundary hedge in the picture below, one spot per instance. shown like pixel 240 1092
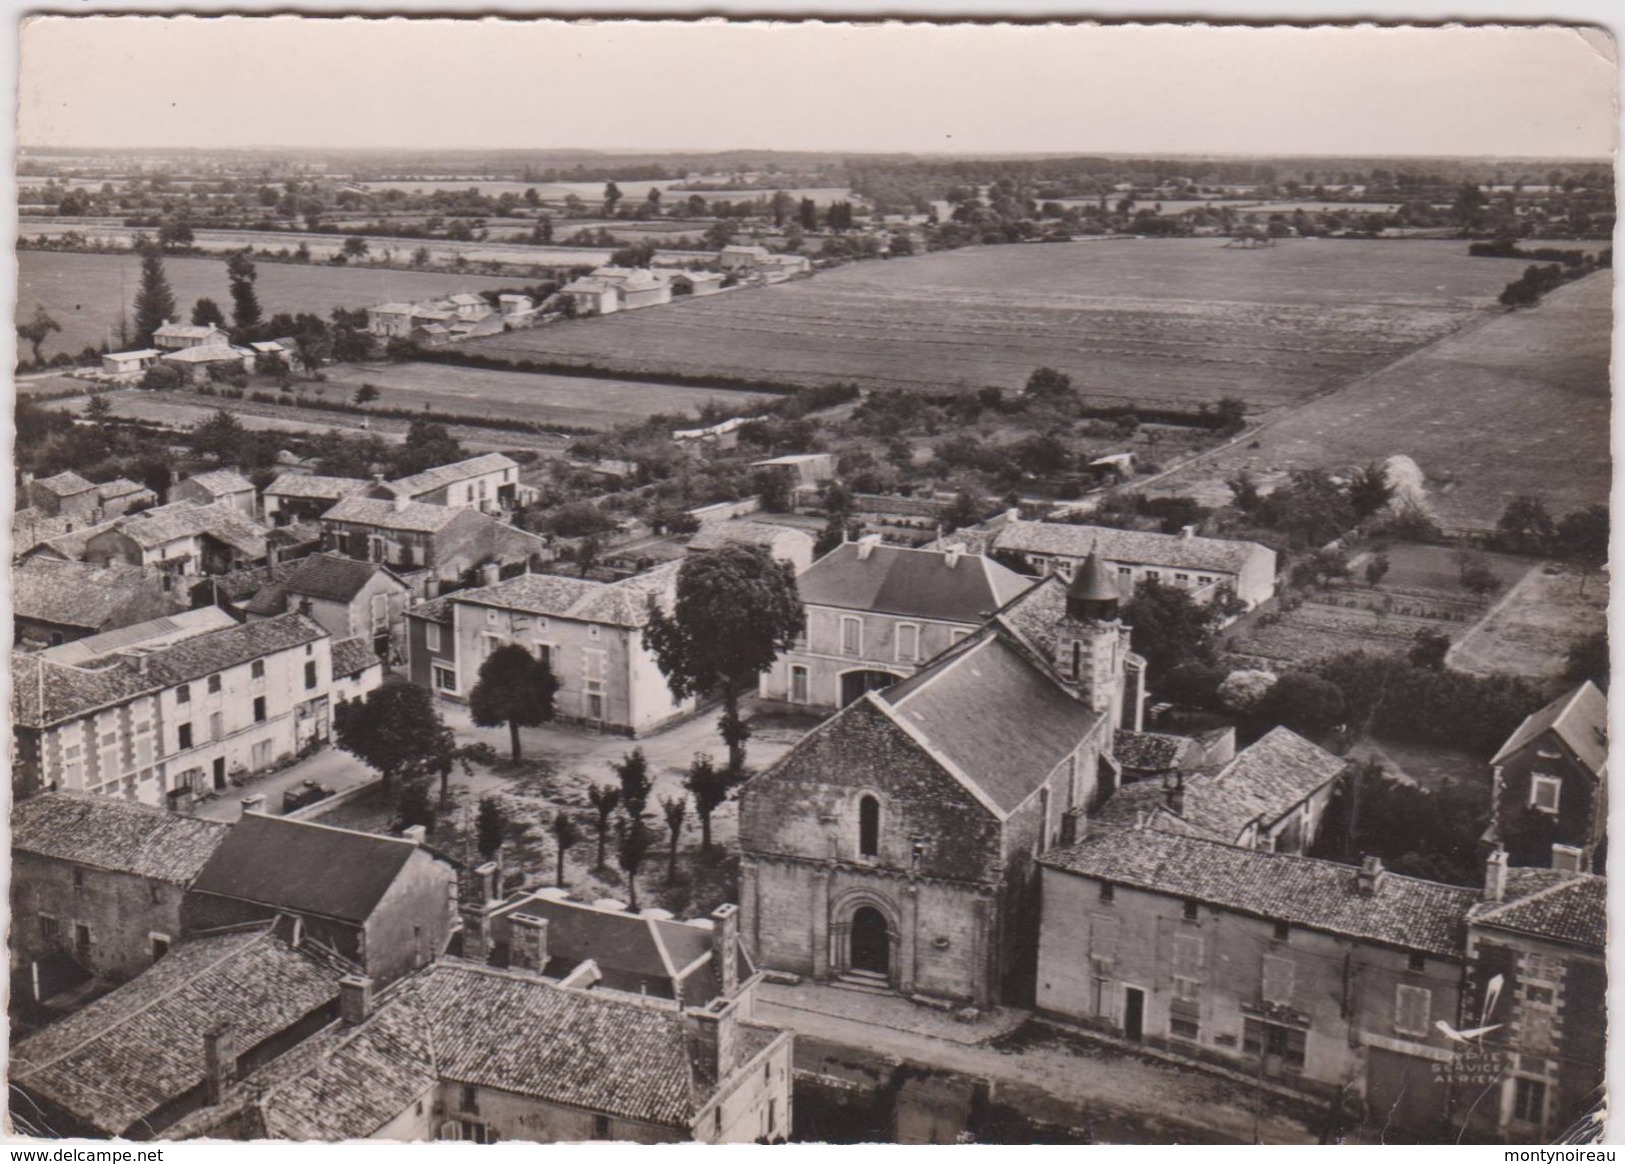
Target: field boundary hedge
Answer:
pixel 591 371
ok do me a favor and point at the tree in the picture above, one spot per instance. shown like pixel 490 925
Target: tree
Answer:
pixel 773 488
pixel 605 798
pixel 366 394
pixel 161 378
pixel 206 313
pixel 675 809
pixel 490 826
pixel 1170 627
pixel 396 730
pixel 37 330
pixel 632 770
pixel 1525 525
pixel 737 610
pixel 1193 685
pixel 566 835
pixel 1369 490
pixel 1303 702
pixel 1244 491
pixel 245 302
pixel 1583 536
pixel 586 554
pixel 1477 578
pixel 427 444
pixel 221 436
pixel 1320 568
pixel 1048 384
pixel 355 247
pixel 719 234
pixel 635 842
pixel 1242 692
pixel 98 408
pixel 612 195
pixel 414 808
pixel 1429 649
pixel 709 787
pixel 1588 659
pixel 1376 569
pixel 514 688
pixel 154 300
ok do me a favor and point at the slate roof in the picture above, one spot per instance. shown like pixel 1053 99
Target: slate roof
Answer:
pixel 1580 720
pixel 460 1023
pixel 384 514
pixel 1151 751
pixel 306 485
pixel 157 527
pixel 1263 783
pixel 1138 547
pixel 222 482
pixel 1321 895
pixel 290 865
pixel 437 478
pixel 76 594
pixel 911 583
pixel 1550 903
pixel 115 835
pixel 991 718
pixel 750 533
pixel 137 1049
pixel 65 484
pixel 205 654
pixel 623 603
pixel 353 656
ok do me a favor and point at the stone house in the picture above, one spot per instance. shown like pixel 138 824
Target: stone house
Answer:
pixel 895 845
pixel 357 669
pixel 296 497
pixel 67 494
pixel 197 364
pixel 877 613
pixel 488 483
pixel 590 633
pixel 386 904
pixel 637 287
pixel 169 710
pixel 1326 978
pixel 182 537
pixel 592 296
pixel 129 363
pixel 1538 944
pixel 1550 790
pixel 224 487
pixel 96 887
pixel 350 599
pixel 436 542
pixel 742 258
pixel 55 601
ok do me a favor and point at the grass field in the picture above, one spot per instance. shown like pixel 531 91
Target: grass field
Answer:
pixel 548 400
pixel 1531 631
pixel 1517 405
pixel 83 292
pixel 1174 321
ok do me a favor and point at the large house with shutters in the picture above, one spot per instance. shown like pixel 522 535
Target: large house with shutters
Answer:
pixel 1550 791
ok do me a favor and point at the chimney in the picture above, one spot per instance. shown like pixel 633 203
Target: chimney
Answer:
pixel 401 502
pixel 1186 533
pixel 254 804
pixel 490 573
pixel 527 942
pixel 219 1062
pixel 1567 859
pixel 1173 792
pixel 1369 876
pixel 490 881
pixel 1495 876
pixel 713 1037
pixel 725 947
pixel 866 546
pixel 355 998
pixel 951 555
pixel 417 834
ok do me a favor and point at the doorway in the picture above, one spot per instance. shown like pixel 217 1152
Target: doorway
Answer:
pixel 220 774
pixel 1133 1013
pixel 855 684
pixel 871 943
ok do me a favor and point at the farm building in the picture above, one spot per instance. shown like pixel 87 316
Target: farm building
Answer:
pixel 277 349
pixel 183 536
pixel 734 258
pixel 696 283
pixel 802 470
pixel 196 363
pixel 425 544
pixel 724 434
pixel 637 286
pixel 66 494
pixel 785 543
pixel 350 598
pixel 55 601
pixel 129 363
pixel 175 336
pixel 592 296
pixel 295 497
pixel 217 487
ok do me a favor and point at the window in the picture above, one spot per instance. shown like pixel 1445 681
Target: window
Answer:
pixel 184 735
pixel 468 1100
pixel 1538 995
pixel 49 930
pixel 143 743
pixel 851 636
pixel 380 611
pixel 431 635
pixel 256 669
pixel 1154 575
pixel 868 826
pixel 1417 963
pixel 259 709
pixel 445 679
pixel 1125 570
pixel 1272 1039
pixel 217 725
pixel 1528 1101
pixel 1283 931
pixel 772 1116
pixel 1103 930
pixel 1182 1024
pixel 1544 791
pixel 1277 980
pixel 160 945
pixel 1182 577
pixel 475 1132
pixel 798 684
pixel 1043 819
pixel 908 643
pixel 1413 1010
pixel 1077 659
pixel 1187 958
pixel 1192 911
pixel 1107 892
pixel 600 1126
pixel 491 616
pixel 595 705
pixel 310 676
pixel 71 765
pixel 260 757
pixel 81 939
pixel 214 685
pixel 183 693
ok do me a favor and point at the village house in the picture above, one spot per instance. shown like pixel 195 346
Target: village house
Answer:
pixel 169 710
pixel 1327 978
pixel 742 258
pixel 1207 567
pixel 590 295
pixel 350 599
pixel 131 363
pixel 169 1042
pixel 96 887
pixel 894 846
pixel 390 320
pixel 175 336
pixel 801 470
pixel 784 542
pixel 357 669
pixel 121 495
pixel 589 633
pixel 182 537
pixel 266 352
pixel 66 494
pixel 636 286
pixel 387 904
pixel 296 497
pixel 425 544
pixel 218 487
pixel 1550 785
pixel 876 613
pixel 1538 944
pixel 723 435
pixel 54 601
pixel 695 283
pixel 1147 755
pixel 488 483
pixel 460 1051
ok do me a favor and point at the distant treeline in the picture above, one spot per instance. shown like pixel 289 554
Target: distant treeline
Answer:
pixel 1537 281
pixel 1506 248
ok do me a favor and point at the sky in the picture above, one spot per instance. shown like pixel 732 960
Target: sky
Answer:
pixel 126 82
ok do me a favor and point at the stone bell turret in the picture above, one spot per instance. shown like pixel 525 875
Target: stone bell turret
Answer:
pixel 1091 644
pixel 1092 595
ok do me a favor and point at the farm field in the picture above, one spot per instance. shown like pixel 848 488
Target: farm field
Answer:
pixel 581 401
pixel 1176 321
pixel 1530 632
pixel 83 292
pixel 1517 405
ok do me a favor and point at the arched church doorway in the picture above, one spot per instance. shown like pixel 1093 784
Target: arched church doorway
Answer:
pixel 871 942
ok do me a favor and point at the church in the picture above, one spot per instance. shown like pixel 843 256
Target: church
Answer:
pixel 895 846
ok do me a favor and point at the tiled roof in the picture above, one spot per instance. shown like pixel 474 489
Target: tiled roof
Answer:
pixel 332 576
pixel 1322 895
pixel 153 528
pixel 290 865
pixel 205 354
pixel 44 693
pixel 65 484
pixel 78 594
pixel 1142 803
pixel 908 582
pixel 435 610
pixel 386 514
pixel 1263 783
pixel 623 603
pixel 1126 546
pixel 353 656
pixel 750 533
pixel 116 835
pixel 1580 720
pixel 205 654
pixel 70 543
pixel 31 526
pixel 222 482
pixel 188 330
pixel 120 487
pixel 437 478
pixel 319 488
pixel 1550 903
pixel 155 632
pixel 1000 724
pixel 1151 751
pixel 139 1048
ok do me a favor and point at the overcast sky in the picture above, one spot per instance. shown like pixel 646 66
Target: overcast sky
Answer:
pixel 288 81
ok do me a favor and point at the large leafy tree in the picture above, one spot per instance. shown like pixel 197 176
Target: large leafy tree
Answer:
pixel 737 610
pixel 1170 627
pixel 37 330
pixel 709 786
pixel 154 299
pixel 206 312
pixel 397 731
pixel 513 688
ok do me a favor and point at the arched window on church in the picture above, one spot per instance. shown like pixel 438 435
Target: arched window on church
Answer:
pixel 1077 659
pixel 869 827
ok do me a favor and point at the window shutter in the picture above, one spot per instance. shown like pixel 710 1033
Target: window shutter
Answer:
pixel 1187 956
pixel 1413 1008
pixel 1103 937
pixel 1279 975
